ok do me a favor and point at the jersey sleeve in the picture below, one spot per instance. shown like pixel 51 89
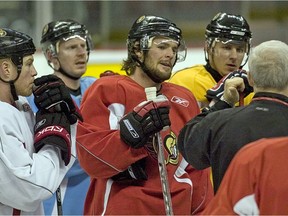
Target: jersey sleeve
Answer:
pixel 98 137
pixel 27 178
pixel 195 138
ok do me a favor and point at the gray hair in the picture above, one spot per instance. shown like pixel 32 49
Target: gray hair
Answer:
pixel 268 65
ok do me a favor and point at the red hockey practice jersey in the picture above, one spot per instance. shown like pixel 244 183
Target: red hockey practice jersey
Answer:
pixel 255 182
pixel 103 154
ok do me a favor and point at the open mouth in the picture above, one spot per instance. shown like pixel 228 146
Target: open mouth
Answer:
pixel 81 63
pixel 232 67
pixel 166 64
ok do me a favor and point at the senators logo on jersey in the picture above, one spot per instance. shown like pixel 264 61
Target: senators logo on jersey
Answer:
pixel 169 143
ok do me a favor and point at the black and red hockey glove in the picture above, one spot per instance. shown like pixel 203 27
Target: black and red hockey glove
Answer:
pixel 53 129
pixel 217 91
pixel 52 95
pixel 146 119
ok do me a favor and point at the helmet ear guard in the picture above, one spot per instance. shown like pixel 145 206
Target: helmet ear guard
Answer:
pixel 145 42
pixel 49 52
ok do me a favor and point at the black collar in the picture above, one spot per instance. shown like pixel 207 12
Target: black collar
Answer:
pixel 215 74
pixel 271 95
pixel 75 92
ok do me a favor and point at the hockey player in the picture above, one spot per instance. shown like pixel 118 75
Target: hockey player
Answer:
pixel 35 154
pixel 116 144
pixel 255 182
pixel 213 140
pixel 66 45
pixel 227 47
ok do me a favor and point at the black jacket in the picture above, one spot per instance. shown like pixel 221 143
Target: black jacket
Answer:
pixel 214 139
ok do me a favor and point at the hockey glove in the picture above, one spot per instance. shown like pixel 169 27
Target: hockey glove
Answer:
pixel 146 119
pixel 53 129
pixel 218 90
pixel 135 171
pixel 52 94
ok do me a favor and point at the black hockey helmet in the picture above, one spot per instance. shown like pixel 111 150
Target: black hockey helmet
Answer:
pixel 147 27
pixel 63 30
pixel 15 45
pixel 229 26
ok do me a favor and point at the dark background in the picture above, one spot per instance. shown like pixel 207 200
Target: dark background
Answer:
pixel 109 21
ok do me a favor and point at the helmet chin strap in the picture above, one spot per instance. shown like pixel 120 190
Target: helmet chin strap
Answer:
pixel 150 75
pixel 12 87
pixel 60 70
pixel 67 74
pixel 11 83
pixel 146 70
pixel 13 90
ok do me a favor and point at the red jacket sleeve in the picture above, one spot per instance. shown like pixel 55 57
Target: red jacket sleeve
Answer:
pixel 98 139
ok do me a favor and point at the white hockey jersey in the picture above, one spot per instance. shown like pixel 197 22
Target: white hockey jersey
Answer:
pixel 26 178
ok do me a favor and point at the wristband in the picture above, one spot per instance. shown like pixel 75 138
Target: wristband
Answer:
pixel 52 130
pixel 223 99
pixel 219 105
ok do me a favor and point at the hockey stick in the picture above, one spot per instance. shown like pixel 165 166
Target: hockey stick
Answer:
pixel 241 99
pixel 151 95
pixel 59 202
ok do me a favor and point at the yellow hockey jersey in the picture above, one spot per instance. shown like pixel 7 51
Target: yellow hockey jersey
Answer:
pixel 198 80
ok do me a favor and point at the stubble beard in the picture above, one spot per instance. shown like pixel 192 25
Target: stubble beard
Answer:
pixel 159 75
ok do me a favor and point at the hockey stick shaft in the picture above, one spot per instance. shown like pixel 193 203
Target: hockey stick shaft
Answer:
pixel 59 202
pixel 151 95
pixel 241 99
pixel 164 177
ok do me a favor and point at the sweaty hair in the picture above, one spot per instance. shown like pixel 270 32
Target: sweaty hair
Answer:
pixel 268 65
pixel 129 65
